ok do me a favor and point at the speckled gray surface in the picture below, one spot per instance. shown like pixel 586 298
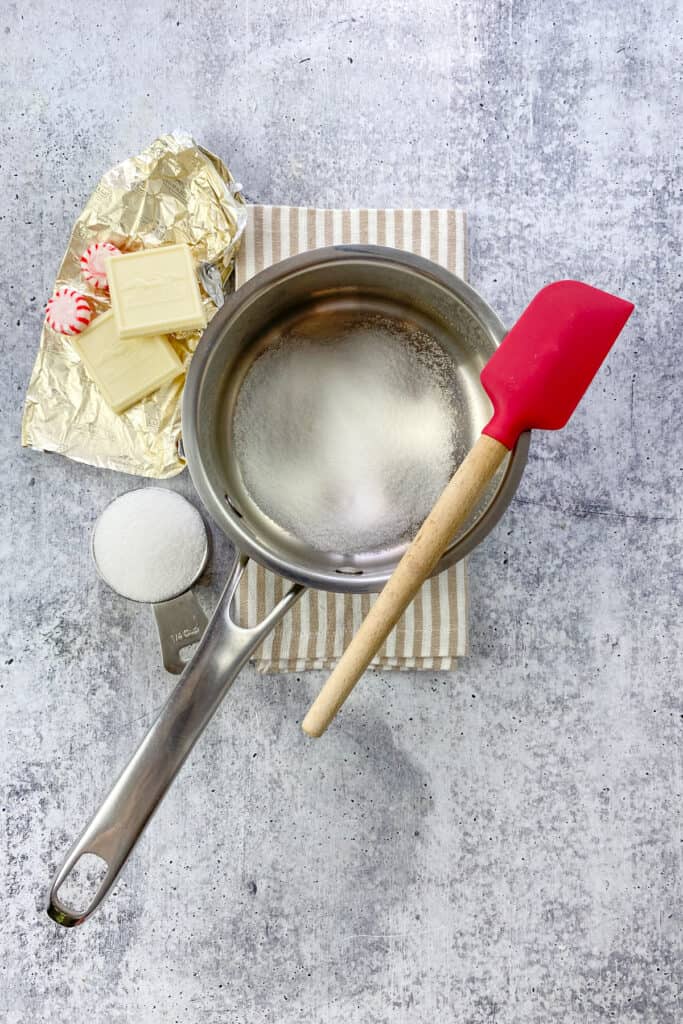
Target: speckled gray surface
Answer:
pixel 501 843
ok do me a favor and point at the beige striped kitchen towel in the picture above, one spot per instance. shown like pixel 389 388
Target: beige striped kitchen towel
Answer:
pixel 433 630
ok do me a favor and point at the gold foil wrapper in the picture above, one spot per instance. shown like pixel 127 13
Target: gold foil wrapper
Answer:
pixel 174 191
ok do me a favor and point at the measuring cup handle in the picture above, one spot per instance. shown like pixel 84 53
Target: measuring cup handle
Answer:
pixel 121 818
pixel 180 623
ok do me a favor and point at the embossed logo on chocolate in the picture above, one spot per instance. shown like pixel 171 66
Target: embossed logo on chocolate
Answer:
pixel 137 292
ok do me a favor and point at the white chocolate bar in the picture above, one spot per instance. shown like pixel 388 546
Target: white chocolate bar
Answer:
pixel 125 371
pixel 155 291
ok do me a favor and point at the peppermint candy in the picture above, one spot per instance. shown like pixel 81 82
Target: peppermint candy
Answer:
pixel 93 265
pixel 68 312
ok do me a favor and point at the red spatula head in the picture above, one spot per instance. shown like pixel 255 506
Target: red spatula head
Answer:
pixel 543 366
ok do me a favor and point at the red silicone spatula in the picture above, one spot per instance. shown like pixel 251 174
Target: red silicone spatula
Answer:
pixel 536 378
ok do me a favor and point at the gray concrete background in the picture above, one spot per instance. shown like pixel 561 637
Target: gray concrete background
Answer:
pixel 500 843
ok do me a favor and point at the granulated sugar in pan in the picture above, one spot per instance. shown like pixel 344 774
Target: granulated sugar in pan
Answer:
pixel 347 444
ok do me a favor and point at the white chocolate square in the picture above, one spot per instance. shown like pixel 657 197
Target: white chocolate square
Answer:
pixel 125 371
pixel 155 291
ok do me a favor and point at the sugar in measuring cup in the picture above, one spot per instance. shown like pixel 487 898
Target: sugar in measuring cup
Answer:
pixel 151 545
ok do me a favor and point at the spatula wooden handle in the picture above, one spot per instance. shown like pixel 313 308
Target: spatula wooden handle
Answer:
pixel 451 510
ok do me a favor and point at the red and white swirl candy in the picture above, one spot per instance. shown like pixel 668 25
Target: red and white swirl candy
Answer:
pixel 68 312
pixel 93 263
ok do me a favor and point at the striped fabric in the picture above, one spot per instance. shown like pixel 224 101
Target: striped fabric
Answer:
pixel 433 630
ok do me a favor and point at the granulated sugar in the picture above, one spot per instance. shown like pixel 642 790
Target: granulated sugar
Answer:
pixel 150 544
pixel 347 444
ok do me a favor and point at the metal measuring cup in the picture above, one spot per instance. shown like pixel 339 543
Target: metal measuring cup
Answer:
pixel 179 616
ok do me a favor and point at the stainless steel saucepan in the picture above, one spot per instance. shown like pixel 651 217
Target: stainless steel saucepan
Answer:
pixel 323 290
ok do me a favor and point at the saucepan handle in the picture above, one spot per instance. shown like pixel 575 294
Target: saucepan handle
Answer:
pixel 121 818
